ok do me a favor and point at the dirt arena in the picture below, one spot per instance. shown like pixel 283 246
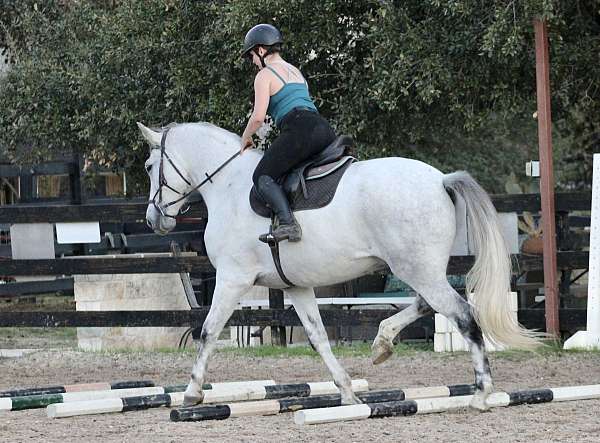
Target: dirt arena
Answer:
pixel 62 364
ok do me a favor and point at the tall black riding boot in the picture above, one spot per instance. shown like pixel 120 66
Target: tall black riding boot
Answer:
pixel 275 198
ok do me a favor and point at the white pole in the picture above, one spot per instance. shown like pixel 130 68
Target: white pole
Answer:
pixel 434 405
pixel 590 339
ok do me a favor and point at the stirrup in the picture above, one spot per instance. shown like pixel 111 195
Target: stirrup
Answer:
pixel 275 237
pixel 268 238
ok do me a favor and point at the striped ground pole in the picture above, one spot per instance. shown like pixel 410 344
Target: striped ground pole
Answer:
pixel 268 407
pixel 230 394
pixel 77 388
pixel 433 405
pixel 41 401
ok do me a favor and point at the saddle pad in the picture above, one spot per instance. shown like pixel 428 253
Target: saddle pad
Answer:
pixel 323 170
pixel 320 193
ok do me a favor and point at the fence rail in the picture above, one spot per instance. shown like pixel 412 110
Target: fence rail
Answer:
pixel 121 265
pixel 135 210
pixel 123 211
pixel 24 289
pixel 563 202
pixel 149 265
pixel 531 318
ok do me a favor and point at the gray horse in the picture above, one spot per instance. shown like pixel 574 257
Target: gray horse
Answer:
pixel 390 211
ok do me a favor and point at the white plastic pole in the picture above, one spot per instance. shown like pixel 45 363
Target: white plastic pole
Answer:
pixel 593 311
pixel 590 339
pixel 331 415
pixel 70 409
pixel 435 405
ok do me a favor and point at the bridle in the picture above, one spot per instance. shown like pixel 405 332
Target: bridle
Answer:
pixel 163 182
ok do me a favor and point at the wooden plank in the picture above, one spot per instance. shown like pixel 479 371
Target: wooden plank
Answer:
pixel 47 168
pixel 525 262
pixel 564 202
pixel 565 260
pixel 139 242
pixel 578 221
pixel 122 212
pixel 76 266
pixel 516 202
pixel 148 265
pixel 20 289
pixel 194 318
pixel 135 210
pixel 134 243
pixel 570 319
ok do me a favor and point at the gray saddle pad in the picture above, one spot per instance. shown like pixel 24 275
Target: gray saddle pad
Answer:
pixel 320 191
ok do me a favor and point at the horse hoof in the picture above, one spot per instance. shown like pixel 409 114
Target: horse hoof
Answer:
pixel 478 402
pixel 192 399
pixel 381 350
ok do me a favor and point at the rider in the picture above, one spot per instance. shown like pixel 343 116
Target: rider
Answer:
pixel 281 91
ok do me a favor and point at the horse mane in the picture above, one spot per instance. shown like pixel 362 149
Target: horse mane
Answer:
pixel 164 128
pixel 207 125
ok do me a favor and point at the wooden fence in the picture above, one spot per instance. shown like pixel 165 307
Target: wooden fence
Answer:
pixel 134 211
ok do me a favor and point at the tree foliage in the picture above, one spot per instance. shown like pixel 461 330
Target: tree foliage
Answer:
pixel 449 82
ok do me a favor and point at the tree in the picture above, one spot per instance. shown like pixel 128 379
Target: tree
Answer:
pixel 448 82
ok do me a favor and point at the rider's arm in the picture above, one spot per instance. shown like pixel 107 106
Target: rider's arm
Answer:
pixel 261 103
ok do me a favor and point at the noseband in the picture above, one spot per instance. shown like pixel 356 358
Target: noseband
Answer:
pixel 162 209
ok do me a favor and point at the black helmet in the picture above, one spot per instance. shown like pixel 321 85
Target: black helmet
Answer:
pixel 262 34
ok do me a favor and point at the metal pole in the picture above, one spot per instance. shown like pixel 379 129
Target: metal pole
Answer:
pixel 542 70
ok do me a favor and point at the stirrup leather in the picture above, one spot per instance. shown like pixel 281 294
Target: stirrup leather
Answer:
pixel 270 240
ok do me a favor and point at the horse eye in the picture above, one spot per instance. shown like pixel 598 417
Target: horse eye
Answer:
pixel 148 169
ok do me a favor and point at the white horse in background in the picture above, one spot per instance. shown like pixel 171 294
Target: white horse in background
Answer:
pixel 390 211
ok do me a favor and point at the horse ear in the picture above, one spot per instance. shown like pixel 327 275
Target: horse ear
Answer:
pixel 149 135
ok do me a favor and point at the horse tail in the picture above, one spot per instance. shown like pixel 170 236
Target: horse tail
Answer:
pixel 488 281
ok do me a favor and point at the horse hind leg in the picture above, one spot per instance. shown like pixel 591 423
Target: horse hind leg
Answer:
pixel 383 345
pixel 445 300
pixel 306 307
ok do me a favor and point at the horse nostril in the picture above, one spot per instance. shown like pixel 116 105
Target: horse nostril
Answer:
pixel 149 224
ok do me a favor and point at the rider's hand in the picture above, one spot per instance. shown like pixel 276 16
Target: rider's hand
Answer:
pixel 246 144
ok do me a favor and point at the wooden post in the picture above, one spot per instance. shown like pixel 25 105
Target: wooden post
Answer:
pixel 76 180
pixel 77 193
pixel 277 332
pixel 542 69
pixel 26 188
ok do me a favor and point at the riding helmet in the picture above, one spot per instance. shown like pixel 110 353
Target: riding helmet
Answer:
pixel 263 34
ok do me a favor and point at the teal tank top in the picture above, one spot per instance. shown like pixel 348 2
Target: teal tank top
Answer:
pixel 290 96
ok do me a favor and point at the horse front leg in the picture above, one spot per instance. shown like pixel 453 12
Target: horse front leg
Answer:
pixel 305 303
pixel 225 299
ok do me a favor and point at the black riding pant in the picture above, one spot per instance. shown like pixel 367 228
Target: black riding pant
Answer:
pixel 303 134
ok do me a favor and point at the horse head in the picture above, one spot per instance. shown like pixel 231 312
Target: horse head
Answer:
pixel 169 183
